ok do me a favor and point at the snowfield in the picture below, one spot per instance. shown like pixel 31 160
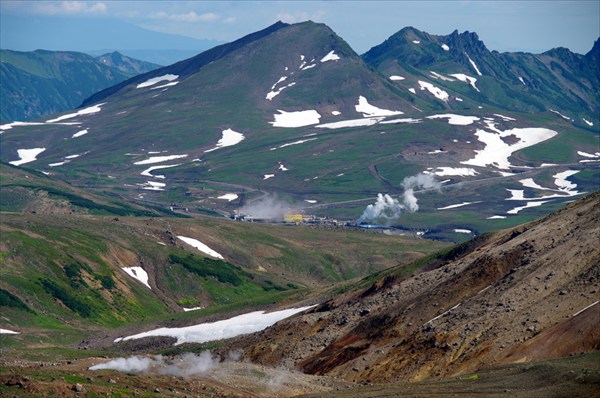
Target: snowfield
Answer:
pixel 138 273
pixel 350 123
pixel 467 79
pixel 497 152
pixel 331 56
pixel 457 120
pixel 229 138
pixel 435 91
pixel 149 170
pixel 452 171
pixel 200 246
pixel 296 119
pixel 154 80
pixel 369 110
pixel 456 205
pixel 529 204
pixel 27 156
pixel 80 133
pixel 87 111
pixel 473 65
pixel 159 159
pixel 225 329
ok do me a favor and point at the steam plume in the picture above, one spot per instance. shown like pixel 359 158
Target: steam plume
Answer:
pixel 269 207
pixel 387 209
pixel 186 365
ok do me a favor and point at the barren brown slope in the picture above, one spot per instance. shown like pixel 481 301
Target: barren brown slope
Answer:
pixel 485 308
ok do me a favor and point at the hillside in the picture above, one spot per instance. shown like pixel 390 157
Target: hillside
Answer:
pixel 519 295
pixel 39 83
pixel 76 260
pixel 126 64
pixel 293 111
pixel 514 310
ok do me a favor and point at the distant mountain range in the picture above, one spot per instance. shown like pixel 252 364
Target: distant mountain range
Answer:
pixel 293 110
pixel 38 83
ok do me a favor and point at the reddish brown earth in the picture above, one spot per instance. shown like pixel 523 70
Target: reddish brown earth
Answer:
pixel 511 297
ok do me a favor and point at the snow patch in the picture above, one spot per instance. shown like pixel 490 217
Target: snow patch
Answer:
pixel 412 90
pixel 445 47
pixel 27 156
pixel 458 120
pixel 436 75
pixel 404 120
pixel 192 309
pixel 467 79
pixel 561 115
pixel 396 78
pixel 454 171
pixel 497 152
pixel 589 155
pixel 463 231
pixel 417 41
pixel 153 186
pixel 154 80
pixel 505 118
pixel 351 123
pixel 295 143
pixel 201 247
pixel 148 171
pixel 229 138
pixel 6 331
pixel 267 176
pixel 87 111
pixel 80 133
pixel 369 110
pixel 529 204
pixel 588 122
pixel 435 91
pixel 296 119
pixel 138 273
pixel 496 217
pixel 456 205
pixel 225 329
pixel 474 65
pixel 522 81
pixel 331 56
pixel 159 159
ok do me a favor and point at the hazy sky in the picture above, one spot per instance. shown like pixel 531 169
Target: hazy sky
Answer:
pixel 532 26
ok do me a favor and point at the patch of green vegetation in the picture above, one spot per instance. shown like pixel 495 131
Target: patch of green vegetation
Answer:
pixel 223 271
pixel 73 303
pixel 7 299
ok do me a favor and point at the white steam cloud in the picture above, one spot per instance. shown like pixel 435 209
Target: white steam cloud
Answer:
pixel 269 207
pixel 186 365
pixel 387 209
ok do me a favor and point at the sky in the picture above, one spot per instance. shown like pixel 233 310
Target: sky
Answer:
pixel 531 26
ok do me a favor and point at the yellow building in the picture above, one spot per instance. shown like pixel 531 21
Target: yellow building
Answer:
pixel 293 218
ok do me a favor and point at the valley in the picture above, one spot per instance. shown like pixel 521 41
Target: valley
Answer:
pixel 281 216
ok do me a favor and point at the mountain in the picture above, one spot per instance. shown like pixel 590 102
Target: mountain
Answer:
pixel 524 294
pixel 76 34
pixel 555 80
pixel 38 83
pixel 292 110
pixel 126 64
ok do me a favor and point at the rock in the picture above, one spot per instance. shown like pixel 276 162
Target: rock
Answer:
pixel 77 387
